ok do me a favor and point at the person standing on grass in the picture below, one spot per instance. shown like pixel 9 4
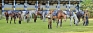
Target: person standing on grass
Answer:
pixel 49 16
pixel 28 17
pixel 86 21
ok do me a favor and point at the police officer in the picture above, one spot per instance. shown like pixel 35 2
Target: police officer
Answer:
pixel 49 16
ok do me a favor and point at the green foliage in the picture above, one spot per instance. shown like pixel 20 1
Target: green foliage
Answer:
pixel 88 4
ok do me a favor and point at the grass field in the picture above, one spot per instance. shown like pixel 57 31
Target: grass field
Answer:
pixel 41 27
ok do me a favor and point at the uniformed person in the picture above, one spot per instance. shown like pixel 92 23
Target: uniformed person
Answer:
pixel 49 16
pixel 86 21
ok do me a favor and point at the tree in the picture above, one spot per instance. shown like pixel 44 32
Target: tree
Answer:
pixel 87 4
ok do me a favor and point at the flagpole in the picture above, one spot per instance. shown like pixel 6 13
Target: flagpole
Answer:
pixel 14 5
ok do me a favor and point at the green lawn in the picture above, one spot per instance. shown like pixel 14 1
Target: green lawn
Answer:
pixel 41 27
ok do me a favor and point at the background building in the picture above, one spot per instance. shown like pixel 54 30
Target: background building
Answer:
pixel 19 4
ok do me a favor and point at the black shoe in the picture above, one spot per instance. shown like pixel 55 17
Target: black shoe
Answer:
pixel 48 27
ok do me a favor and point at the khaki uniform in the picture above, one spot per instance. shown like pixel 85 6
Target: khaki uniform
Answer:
pixel 49 16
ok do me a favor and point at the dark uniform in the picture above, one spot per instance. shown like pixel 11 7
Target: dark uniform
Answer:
pixel 86 21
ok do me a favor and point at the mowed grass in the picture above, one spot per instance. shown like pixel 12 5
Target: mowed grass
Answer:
pixel 41 27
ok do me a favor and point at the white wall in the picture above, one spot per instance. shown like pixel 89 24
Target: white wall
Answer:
pixel 33 6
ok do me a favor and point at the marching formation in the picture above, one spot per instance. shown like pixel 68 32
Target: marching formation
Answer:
pixel 57 16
